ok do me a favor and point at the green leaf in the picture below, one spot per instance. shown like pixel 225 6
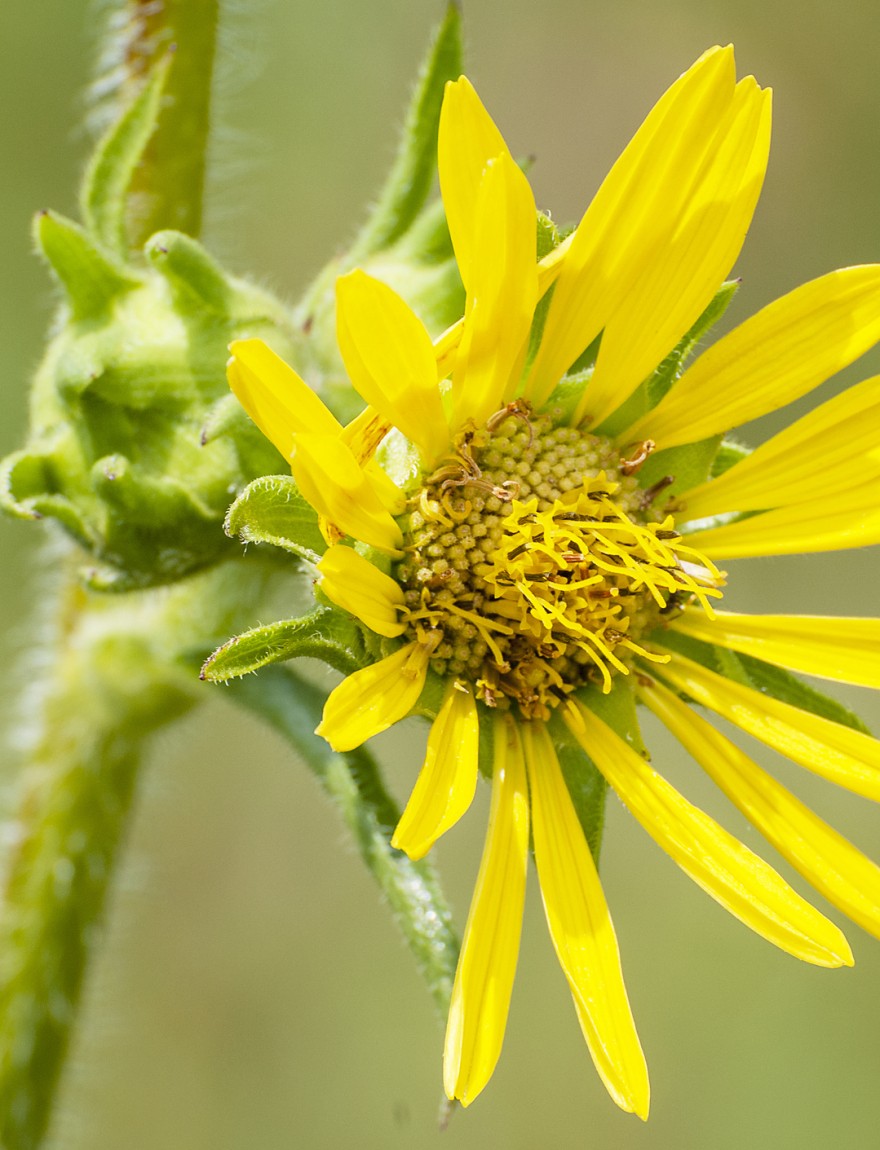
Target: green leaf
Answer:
pixel 764 677
pixel 273 510
pixel 410 179
pixel 325 634
pixel 104 193
pixel 352 780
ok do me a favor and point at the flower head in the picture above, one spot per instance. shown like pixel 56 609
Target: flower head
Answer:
pixel 537 543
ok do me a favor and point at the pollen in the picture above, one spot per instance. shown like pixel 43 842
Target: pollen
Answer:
pixel 535 564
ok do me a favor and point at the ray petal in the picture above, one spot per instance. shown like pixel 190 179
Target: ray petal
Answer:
pixel 468 140
pixel 279 402
pixel 682 276
pixel 837 753
pixel 840 872
pixel 641 200
pixel 448 779
pixel 338 488
pixel 726 869
pixel 390 360
pixel 357 586
pixel 833 521
pixel 487 963
pixel 502 295
pixel 374 698
pixel 845 649
pixel 834 447
pixel 581 928
pixel 775 357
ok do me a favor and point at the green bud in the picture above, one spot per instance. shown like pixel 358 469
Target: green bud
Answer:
pixel 131 383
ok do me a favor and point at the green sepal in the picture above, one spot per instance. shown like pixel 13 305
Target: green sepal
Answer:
pixel 108 177
pixel 431 699
pixel 760 676
pixel 547 238
pixel 566 396
pixel 409 181
pixel 197 280
pixel 586 784
pixel 727 455
pixel 670 369
pixel 688 465
pixel 90 276
pixel 272 509
pixel 649 393
pixel 325 634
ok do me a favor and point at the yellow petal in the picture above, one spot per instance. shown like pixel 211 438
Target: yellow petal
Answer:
pixel 277 400
pixel 374 698
pixel 363 435
pixel 338 488
pixel 468 139
pixel 726 869
pixel 640 202
pixel 448 779
pixel 487 963
pixel 356 585
pixel 390 360
pixel 844 756
pixel 834 447
pixel 502 294
pixel 581 928
pixel 839 871
pixel 833 521
pixel 447 343
pixel 845 649
pixel 778 355
pixel 680 277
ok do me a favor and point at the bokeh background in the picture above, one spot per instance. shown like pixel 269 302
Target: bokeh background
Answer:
pixel 252 993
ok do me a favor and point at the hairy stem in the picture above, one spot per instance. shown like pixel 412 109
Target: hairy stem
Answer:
pixel 106 692
pixel 293 707
pixel 168 190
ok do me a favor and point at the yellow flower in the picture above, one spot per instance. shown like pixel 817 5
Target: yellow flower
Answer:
pixel 511 546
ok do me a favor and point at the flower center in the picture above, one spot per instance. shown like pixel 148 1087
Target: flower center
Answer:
pixel 535 564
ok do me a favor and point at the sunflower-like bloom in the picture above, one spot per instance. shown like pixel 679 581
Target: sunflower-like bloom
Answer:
pixel 521 555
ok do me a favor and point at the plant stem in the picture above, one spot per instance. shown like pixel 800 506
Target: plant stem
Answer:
pixel 105 693
pixel 293 707
pixel 168 190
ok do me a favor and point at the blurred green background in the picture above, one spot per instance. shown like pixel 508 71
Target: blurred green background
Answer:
pixel 252 993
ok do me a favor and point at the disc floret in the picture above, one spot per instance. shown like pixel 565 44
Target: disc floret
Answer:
pixel 535 563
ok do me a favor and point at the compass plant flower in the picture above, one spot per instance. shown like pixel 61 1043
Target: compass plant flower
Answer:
pixel 529 516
